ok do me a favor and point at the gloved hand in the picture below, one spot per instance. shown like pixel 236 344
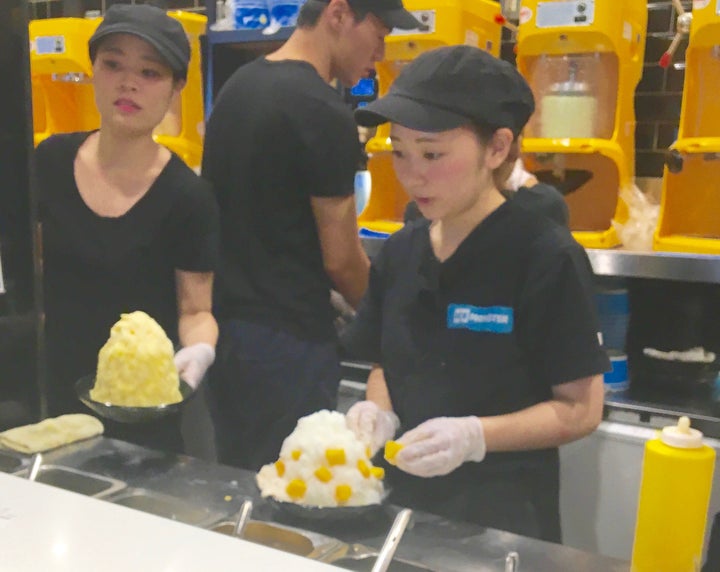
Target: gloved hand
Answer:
pixel 440 445
pixel 519 177
pixel 193 361
pixel 371 424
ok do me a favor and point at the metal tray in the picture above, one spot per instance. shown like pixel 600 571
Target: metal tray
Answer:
pixel 77 481
pixel 287 539
pixel 166 506
pixel 11 462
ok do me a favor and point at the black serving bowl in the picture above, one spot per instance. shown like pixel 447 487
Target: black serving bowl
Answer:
pixel 124 414
pixel 677 376
pixel 326 513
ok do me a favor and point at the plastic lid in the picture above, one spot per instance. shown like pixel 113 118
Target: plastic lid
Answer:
pixel 682 435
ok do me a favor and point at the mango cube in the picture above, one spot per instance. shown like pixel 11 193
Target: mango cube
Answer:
pixel 343 493
pixel 296 489
pixel 280 468
pixel 392 448
pixel 335 456
pixel 323 474
pixel 363 468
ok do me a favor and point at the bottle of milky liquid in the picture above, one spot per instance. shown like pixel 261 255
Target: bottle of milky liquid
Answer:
pixel 673 504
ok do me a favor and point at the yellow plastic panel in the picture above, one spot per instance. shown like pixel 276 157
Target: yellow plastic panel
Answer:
pixel 388 199
pixel 182 128
pixel 689 219
pixel 700 115
pixel 691 198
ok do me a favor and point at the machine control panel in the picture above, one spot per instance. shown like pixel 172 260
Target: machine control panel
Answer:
pixel 557 14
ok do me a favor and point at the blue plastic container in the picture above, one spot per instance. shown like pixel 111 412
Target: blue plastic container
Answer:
pixel 284 12
pixel 613 312
pixel 617 378
pixel 251 14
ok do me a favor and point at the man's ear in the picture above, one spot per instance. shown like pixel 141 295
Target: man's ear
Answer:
pixel 337 11
pixel 499 148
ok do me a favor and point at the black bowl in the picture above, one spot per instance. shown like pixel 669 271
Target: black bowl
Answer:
pixel 326 513
pixel 674 375
pixel 124 414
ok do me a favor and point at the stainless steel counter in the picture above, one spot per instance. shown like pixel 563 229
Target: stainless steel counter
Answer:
pixel 440 544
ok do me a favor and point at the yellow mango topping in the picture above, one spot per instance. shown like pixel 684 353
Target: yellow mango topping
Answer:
pixel 296 455
pixel 392 448
pixel 378 472
pixel 280 468
pixel 323 474
pixel 335 456
pixel 363 468
pixel 343 493
pixel 296 489
pixel 368 452
pixel 135 366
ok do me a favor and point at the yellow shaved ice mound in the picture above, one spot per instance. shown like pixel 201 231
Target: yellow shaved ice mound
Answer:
pixel 135 366
pixel 322 463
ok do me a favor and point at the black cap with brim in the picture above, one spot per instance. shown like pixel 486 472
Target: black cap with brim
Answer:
pixel 452 86
pixel 392 13
pixel 409 112
pixel 151 24
pixel 398 18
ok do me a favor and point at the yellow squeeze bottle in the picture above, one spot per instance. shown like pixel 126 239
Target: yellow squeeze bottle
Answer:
pixel 673 504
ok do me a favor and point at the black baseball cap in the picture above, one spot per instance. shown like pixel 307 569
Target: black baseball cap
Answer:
pixel 151 24
pixel 390 12
pixel 450 87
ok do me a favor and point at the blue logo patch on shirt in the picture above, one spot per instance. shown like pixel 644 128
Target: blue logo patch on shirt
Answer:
pixel 496 319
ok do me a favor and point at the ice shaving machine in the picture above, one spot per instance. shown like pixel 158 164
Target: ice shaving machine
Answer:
pixel 583 60
pixel 60 70
pixel 690 202
pixel 445 22
pixel 62 91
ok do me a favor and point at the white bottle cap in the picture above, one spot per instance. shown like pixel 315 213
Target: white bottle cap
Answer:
pixel 682 435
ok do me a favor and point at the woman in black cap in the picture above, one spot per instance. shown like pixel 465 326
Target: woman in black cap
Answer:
pixel 480 316
pixel 126 224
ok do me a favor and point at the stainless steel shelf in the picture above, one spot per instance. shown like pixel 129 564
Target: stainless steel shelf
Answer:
pixel 623 263
pixel 662 265
pixel 658 411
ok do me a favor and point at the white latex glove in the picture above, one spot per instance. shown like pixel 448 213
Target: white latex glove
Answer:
pixel 519 176
pixel 439 446
pixel 193 361
pixel 371 424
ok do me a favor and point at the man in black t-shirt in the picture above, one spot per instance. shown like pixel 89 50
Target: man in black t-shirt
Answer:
pixel 281 149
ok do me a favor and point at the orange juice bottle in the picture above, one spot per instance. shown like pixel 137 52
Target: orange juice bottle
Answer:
pixel 674 497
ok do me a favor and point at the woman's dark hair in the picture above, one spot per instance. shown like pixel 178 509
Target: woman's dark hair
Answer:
pixel 483 131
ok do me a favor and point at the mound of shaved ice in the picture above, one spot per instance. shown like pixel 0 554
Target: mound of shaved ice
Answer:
pixel 322 463
pixel 135 366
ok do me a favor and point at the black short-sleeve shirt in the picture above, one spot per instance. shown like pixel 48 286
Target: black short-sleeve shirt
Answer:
pixel 277 136
pixel 488 331
pixel 96 268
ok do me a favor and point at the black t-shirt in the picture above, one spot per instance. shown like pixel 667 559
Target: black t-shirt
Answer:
pixel 487 332
pixel 278 135
pixel 96 268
